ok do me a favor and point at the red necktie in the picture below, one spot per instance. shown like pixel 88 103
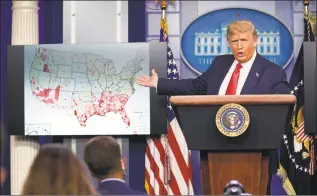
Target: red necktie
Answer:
pixel 233 84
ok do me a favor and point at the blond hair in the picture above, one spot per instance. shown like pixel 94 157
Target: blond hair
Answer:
pixel 57 171
pixel 241 26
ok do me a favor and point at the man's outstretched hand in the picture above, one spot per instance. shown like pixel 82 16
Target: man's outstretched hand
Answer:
pixel 147 81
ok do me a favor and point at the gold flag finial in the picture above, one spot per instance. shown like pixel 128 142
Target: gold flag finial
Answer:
pixel 163 7
pixel 309 16
pixel 306 4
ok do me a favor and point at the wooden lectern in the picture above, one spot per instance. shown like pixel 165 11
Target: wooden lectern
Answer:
pixel 243 158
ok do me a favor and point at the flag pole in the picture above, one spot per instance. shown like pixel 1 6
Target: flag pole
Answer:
pixel 163 8
pixel 163 22
pixel 164 26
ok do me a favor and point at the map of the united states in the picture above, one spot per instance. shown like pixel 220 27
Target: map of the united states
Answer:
pixel 87 84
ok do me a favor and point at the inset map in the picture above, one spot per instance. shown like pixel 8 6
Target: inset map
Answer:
pixel 37 129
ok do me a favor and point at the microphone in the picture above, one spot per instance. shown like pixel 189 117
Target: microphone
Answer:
pixel 234 187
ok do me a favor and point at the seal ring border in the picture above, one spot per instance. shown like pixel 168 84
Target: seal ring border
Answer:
pixel 239 131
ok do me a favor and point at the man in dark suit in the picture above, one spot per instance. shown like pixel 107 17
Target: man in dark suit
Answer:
pixel 103 157
pixel 242 72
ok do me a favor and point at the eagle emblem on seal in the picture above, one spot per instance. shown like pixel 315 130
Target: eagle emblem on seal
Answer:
pixel 232 120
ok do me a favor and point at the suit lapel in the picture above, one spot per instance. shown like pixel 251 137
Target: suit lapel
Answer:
pixel 221 73
pixel 253 77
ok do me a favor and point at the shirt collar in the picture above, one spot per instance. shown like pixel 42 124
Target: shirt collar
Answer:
pixel 112 179
pixel 248 63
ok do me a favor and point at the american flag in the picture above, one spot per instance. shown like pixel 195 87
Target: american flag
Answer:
pixel 168 168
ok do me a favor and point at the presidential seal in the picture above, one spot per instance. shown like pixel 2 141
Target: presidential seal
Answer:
pixel 232 120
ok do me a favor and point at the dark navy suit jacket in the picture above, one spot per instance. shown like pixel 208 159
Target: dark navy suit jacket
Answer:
pixel 116 187
pixel 264 77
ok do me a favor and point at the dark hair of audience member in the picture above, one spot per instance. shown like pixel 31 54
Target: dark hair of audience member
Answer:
pixel 102 154
pixel 57 171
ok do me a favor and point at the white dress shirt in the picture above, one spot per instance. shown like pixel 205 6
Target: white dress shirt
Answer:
pixel 244 72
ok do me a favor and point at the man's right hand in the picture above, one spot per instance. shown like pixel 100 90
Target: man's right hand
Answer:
pixel 148 81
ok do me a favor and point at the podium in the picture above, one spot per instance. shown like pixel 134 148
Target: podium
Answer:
pixel 244 158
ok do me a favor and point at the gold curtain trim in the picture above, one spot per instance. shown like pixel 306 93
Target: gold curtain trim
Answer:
pixel 287 185
pixel 147 187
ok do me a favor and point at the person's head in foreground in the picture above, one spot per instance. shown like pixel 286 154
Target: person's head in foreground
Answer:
pixel 102 154
pixel 242 38
pixel 57 171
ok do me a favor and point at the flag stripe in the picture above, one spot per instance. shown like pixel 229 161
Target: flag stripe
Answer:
pixel 301 135
pixel 181 182
pixel 160 173
pixel 301 127
pixel 174 126
pixel 160 189
pixel 178 154
pixel 152 180
pixel 150 190
pixel 148 164
pixel 174 185
pixel 312 163
pixel 160 148
pixel 160 160
pixel 180 139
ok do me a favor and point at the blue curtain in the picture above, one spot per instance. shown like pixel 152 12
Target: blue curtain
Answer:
pixel 51 22
pixel 137 144
pixel 5 36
